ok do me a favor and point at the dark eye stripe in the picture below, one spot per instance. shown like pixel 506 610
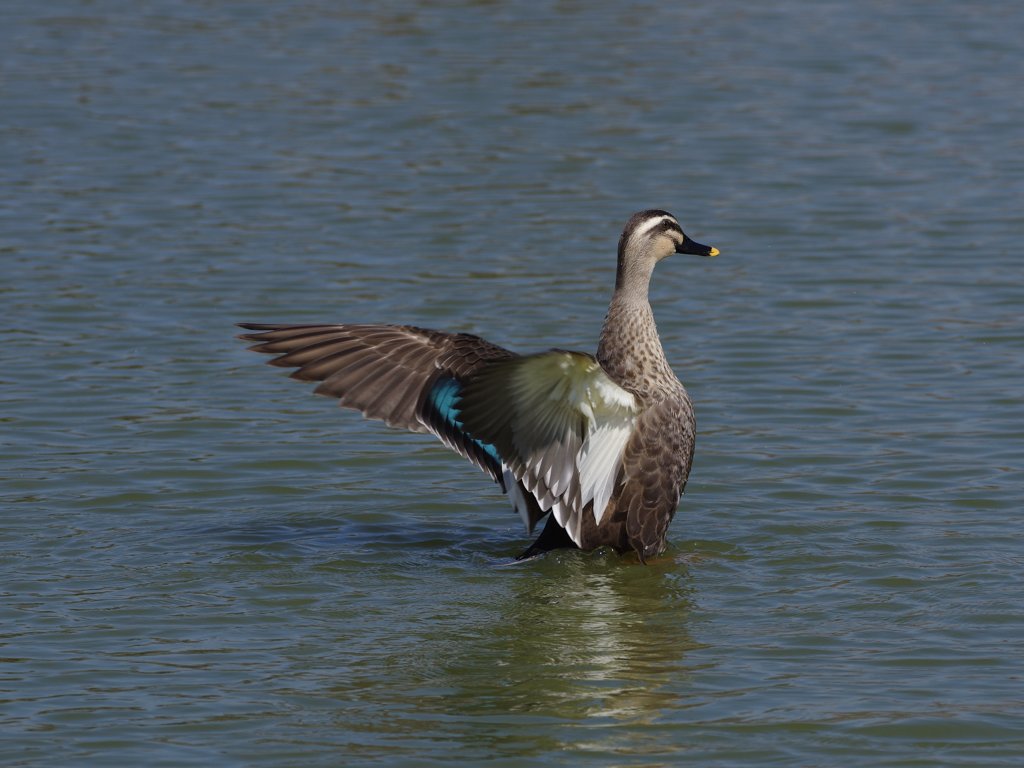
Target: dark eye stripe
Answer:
pixel 668 226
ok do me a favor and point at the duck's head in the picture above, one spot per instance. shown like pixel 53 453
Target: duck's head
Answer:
pixel 656 234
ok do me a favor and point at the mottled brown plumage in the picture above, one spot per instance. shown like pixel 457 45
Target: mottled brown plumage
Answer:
pixel 603 443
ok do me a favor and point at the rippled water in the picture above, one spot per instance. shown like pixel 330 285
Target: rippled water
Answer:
pixel 203 564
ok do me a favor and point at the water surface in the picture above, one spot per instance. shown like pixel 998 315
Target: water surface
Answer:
pixel 203 564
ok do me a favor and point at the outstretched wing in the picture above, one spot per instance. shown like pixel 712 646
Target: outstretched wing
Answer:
pixel 405 376
pixel 559 424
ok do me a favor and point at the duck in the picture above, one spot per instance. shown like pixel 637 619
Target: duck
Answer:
pixel 600 445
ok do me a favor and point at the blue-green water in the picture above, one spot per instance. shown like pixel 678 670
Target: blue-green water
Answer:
pixel 202 564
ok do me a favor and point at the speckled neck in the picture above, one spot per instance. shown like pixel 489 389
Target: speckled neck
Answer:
pixel 630 350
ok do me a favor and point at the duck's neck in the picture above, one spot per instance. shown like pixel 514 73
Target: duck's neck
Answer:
pixel 633 278
pixel 630 350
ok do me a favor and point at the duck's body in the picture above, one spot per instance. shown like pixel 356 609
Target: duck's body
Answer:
pixel 603 443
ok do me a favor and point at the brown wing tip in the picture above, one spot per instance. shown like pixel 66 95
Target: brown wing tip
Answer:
pixel 262 327
pixel 266 332
pixel 300 374
pixel 258 346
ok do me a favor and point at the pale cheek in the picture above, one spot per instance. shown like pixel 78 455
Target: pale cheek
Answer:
pixel 669 249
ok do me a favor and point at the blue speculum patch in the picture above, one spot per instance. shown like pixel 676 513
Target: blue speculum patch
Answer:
pixel 444 399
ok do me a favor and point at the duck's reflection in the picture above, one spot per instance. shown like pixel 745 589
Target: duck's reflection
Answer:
pixel 579 636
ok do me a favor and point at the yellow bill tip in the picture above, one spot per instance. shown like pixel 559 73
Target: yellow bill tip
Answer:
pixel 714 251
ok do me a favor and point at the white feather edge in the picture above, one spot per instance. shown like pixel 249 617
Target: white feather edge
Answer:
pixel 598 463
pixel 515 495
pixel 613 416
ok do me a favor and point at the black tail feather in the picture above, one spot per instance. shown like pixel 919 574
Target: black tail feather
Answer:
pixel 552 537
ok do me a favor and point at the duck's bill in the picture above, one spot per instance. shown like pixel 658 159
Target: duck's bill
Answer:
pixel 695 248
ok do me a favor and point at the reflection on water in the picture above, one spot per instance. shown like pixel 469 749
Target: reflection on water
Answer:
pixel 587 639
pixel 524 664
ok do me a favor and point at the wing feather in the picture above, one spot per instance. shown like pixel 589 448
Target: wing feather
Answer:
pixel 550 428
pixel 319 350
pixel 600 458
pixel 385 371
pixel 560 425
